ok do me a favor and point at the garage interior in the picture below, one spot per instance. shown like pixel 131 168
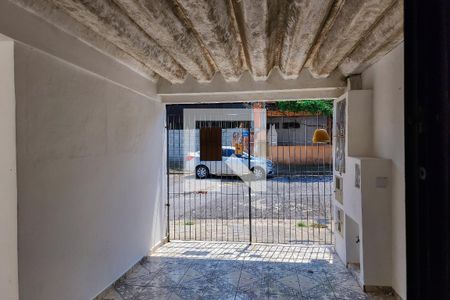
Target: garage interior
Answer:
pixel 84 89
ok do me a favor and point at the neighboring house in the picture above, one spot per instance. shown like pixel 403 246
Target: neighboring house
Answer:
pixel 292 143
pixel 289 134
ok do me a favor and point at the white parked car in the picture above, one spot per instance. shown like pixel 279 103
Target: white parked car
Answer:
pixel 231 164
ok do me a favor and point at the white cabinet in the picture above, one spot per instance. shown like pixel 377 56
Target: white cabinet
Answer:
pixel 362 197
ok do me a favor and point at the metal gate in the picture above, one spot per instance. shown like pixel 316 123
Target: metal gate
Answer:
pixel 293 207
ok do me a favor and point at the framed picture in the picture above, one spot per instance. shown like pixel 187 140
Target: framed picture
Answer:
pixel 340 137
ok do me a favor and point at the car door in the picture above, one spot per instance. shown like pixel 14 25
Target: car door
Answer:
pixel 227 157
pixel 244 163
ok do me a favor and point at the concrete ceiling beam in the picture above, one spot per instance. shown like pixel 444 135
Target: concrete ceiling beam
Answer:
pixel 213 20
pixel 109 20
pixel 159 20
pixel 261 24
pixel 305 19
pixel 254 96
pixel 352 22
pixel 247 89
pixel 386 34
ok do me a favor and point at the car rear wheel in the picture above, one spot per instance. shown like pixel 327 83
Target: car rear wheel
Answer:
pixel 201 172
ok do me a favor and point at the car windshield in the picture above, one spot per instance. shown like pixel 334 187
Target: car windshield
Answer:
pixel 245 155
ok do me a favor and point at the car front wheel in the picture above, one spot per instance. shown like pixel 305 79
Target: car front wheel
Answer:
pixel 201 172
pixel 259 173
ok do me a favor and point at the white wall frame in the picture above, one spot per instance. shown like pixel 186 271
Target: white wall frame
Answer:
pixel 8 175
pixel 247 89
pixel 366 239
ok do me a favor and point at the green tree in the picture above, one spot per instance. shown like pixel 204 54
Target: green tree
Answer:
pixel 321 106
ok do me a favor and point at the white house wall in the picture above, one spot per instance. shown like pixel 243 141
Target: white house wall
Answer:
pixel 386 79
pixel 8 184
pixel 91 181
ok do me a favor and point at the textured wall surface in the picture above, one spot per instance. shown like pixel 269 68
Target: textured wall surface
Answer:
pixel 386 79
pixel 90 178
pixel 9 285
pixel 199 38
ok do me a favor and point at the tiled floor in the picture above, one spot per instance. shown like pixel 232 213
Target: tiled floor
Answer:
pixel 222 270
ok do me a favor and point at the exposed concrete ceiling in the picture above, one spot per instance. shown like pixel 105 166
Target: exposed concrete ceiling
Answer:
pixel 175 39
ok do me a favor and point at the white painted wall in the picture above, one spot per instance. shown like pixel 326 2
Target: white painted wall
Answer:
pixel 247 89
pixel 368 216
pixel 8 180
pixel 358 141
pixel 386 79
pixel 91 180
pixel 376 221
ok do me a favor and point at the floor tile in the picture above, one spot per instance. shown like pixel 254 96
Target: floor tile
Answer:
pixel 128 292
pixel 163 279
pixel 186 294
pixel 152 264
pixel 151 292
pixel 226 280
pixel 199 284
pixel 249 278
pixel 110 294
pixel 347 294
pixel 238 271
pixel 285 297
pixel 318 292
pixel 287 285
pixel 138 275
pixel 251 294
pixel 221 293
pixel 308 281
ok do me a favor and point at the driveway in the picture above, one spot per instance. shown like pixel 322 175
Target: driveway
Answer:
pixel 292 209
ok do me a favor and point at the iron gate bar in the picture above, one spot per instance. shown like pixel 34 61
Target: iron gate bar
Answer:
pixel 299 192
pixel 249 187
pixel 168 179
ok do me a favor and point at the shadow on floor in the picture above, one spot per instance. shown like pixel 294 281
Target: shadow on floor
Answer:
pixel 219 270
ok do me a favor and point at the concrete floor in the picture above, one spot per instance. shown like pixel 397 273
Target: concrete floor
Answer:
pixel 223 270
